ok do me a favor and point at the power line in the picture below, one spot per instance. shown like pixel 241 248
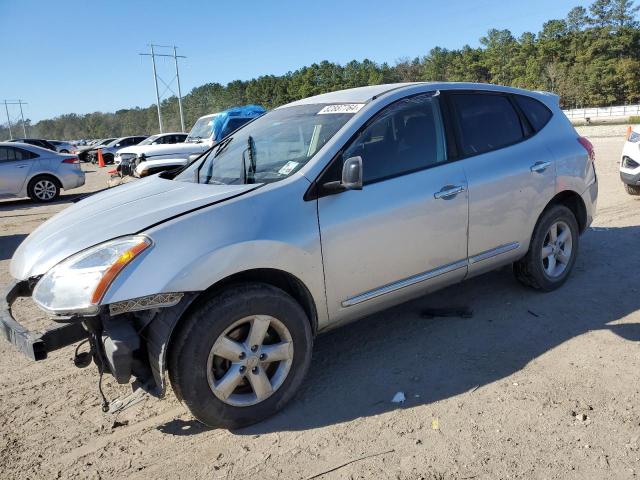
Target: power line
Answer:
pixel 6 109
pixel 157 77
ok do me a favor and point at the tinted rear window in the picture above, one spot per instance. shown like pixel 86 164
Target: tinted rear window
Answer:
pixel 537 114
pixel 487 122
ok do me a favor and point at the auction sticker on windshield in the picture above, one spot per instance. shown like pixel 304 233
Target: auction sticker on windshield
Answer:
pixel 342 108
pixel 288 168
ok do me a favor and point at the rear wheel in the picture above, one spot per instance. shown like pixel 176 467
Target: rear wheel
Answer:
pixel 43 189
pixel 241 355
pixel 632 189
pixel 552 252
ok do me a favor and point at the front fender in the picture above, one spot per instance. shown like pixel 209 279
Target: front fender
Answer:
pixel 271 227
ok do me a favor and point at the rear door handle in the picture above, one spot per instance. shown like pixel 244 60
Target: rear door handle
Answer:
pixel 540 167
pixel 20 166
pixel 449 191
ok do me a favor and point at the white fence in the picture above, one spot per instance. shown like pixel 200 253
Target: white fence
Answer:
pixel 619 111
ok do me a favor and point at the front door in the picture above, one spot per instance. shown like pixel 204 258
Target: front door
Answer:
pixel 405 232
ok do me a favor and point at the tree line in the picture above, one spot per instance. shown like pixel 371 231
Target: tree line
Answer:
pixel 590 58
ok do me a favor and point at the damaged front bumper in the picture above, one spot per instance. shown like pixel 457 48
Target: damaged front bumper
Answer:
pixel 127 339
pixel 35 345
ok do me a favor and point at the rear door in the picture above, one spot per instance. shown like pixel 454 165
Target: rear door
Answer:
pixel 510 173
pixel 405 232
pixel 15 165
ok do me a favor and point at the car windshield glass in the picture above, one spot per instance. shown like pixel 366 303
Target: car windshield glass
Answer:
pixel 201 130
pixel 270 148
pixel 149 140
pixel 108 140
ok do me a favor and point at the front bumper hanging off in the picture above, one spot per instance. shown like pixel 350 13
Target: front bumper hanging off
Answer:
pixel 35 344
pixel 128 339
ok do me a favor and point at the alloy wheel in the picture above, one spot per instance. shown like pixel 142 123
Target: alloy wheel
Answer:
pixel 45 189
pixel 250 360
pixel 556 249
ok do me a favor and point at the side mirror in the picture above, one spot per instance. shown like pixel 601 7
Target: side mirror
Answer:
pixel 351 176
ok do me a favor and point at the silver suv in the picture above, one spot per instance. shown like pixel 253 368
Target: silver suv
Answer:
pixel 315 214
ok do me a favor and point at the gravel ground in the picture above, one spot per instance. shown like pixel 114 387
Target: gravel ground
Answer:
pixel 532 386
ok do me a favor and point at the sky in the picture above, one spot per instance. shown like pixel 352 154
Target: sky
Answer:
pixel 82 56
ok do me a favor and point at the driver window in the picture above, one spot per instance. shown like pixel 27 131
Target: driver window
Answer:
pixel 403 138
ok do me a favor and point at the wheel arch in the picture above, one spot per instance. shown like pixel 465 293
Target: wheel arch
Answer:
pixel 574 202
pixel 164 328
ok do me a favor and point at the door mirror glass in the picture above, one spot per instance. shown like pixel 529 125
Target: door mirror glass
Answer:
pixel 352 173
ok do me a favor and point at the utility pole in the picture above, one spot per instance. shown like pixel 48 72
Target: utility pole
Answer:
pixel 6 108
pixel 175 59
pixel 157 77
pixel 8 120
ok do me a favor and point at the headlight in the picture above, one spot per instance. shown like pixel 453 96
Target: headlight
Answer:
pixel 78 284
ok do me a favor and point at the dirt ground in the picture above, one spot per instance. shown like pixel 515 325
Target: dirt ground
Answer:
pixel 532 386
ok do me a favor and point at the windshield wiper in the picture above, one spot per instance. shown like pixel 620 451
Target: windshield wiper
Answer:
pixel 251 149
pixel 222 145
pixel 250 175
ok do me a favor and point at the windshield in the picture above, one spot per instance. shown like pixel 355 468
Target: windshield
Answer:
pixel 106 140
pixel 202 129
pixel 149 140
pixel 270 148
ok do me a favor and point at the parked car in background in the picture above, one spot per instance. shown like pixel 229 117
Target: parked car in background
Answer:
pixel 84 151
pixel 316 214
pixel 110 149
pixel 159 139
pixel 630 162
pixel 206 132
pixel 63 147
pixel 39 173
pixel 38 142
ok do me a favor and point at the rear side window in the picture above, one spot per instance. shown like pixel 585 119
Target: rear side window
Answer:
pixel 537 113
pixel 487 122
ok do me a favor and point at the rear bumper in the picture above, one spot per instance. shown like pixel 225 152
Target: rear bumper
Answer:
pixel 34 344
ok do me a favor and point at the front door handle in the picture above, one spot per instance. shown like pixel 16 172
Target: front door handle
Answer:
pixel 449 191
pixel 540 167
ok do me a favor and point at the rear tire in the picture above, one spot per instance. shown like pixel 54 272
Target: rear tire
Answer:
pixel 217 374
pixel 632 189
pixel 552 252
pixel 43 189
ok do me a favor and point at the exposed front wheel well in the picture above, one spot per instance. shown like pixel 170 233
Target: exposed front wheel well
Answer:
pixel 573 202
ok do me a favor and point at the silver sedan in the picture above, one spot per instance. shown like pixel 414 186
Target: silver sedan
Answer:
pixel 30 171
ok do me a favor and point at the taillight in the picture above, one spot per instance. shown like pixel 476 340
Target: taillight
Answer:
pixel 71 160
pixel 588 147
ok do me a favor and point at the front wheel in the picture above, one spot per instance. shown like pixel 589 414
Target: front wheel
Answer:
pixel 552 252
pixel 241 355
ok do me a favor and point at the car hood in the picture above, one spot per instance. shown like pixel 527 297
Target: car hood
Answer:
pixel 169 149
pixel 123 210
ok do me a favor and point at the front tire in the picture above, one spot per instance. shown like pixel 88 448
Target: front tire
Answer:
pixel 43 188
pixel 552 252
pixel 241 355
pixel 632 189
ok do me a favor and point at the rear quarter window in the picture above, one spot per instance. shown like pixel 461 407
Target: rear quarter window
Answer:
pixel 486 122
pixel 536 112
